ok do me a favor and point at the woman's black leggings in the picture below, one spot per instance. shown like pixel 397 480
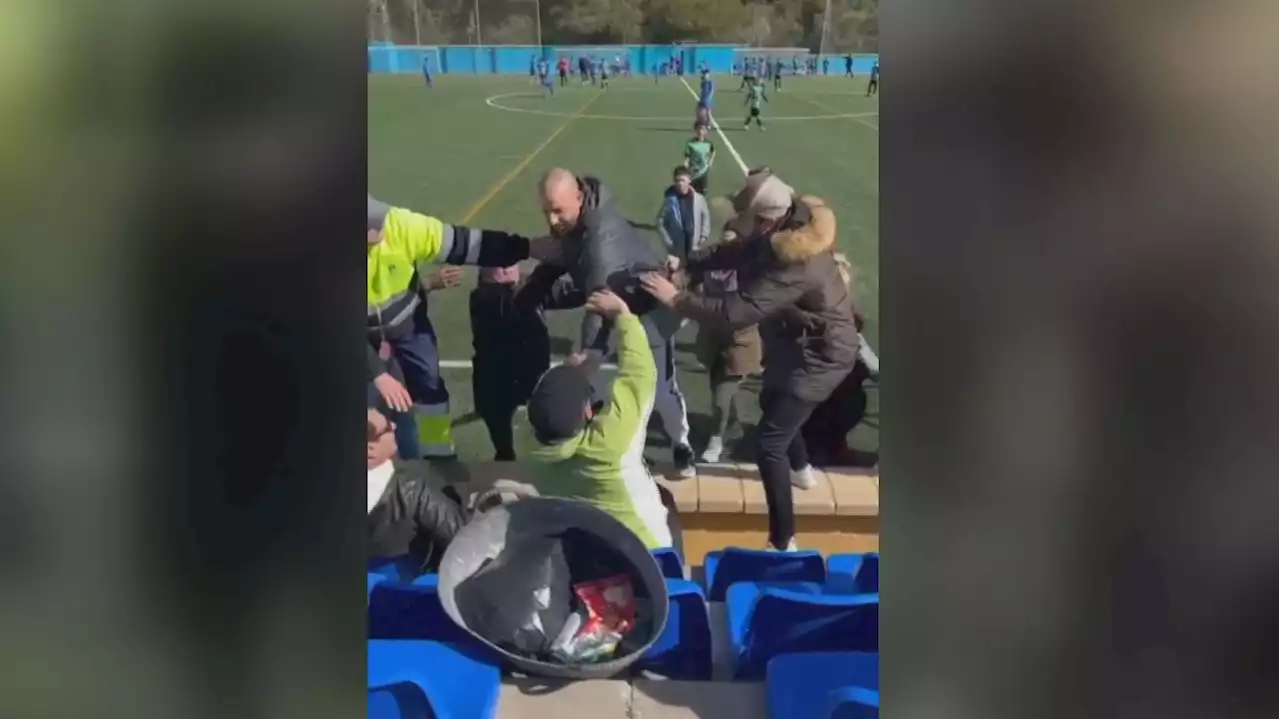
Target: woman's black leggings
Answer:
pixel 779 450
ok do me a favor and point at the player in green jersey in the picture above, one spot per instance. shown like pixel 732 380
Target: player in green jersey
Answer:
pixel 699 154
pixel 755 96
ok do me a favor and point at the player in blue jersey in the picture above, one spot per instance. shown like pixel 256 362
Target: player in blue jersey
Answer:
pixel 544 78
pixel 426 71
pixel 873 85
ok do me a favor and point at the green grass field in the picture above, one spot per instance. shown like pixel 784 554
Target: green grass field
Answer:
pixel 471 150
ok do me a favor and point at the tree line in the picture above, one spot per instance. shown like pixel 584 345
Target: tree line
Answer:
pixel 850 25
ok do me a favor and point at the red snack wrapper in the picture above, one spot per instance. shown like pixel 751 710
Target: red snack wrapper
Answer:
pixel 610 603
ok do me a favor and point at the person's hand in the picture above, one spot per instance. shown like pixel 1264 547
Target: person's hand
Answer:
pixel 660 287
pixel 673 263
pixel 607 304
pixel 583 361
pixel 444 277
pixel 396 396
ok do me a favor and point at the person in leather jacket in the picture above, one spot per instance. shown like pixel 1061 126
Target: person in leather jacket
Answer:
pixel 407 516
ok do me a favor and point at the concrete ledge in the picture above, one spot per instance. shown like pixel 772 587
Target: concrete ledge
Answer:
pixel 718 488
pixel 725 506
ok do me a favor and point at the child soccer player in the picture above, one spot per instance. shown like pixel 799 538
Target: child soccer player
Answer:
pixel 562 67
pixel 777 76
pixel 426 71
pixel 544 78
pixel 699 154
pixel 748 74
pixel 604 74
pixel 848 65
pixel 706 95
pixel 824 65
pixel 873 85
pixel 755 96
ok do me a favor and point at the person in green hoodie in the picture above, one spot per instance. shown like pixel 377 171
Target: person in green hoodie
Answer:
pixel 596 454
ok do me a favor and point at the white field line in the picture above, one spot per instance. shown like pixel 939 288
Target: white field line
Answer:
pixel 492 101
pixel 732 150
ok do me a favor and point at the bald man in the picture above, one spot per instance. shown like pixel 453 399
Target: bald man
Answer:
pixel 598 249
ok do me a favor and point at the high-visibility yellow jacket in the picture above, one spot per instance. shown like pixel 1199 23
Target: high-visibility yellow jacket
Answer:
pixel 408 240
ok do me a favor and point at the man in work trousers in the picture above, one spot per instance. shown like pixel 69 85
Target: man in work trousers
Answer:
pixel 600 249
pixel 398 241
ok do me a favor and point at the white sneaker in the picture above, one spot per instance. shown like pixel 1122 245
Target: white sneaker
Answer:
pixel 803 478
pixel 711 455
pixel 791 547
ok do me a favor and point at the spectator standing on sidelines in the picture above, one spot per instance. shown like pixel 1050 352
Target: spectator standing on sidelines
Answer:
pixel 398 241
pixel 789 284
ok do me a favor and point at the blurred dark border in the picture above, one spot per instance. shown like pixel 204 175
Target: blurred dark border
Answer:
pixel 1078 228
pixel 184 192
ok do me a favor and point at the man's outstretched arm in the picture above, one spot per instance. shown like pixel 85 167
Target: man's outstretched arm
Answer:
pixel 434 241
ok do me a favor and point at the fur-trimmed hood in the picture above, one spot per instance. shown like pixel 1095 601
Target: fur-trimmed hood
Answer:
pixel 804 237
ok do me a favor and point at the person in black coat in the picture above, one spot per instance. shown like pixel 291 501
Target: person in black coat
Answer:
pixel 512 350
pixel 407 516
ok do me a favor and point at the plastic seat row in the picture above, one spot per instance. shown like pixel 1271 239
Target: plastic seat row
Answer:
pixel 776 604
pixel 419 679
pixel 824 685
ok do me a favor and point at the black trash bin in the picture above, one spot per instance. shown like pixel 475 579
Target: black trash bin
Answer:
pixel 593 543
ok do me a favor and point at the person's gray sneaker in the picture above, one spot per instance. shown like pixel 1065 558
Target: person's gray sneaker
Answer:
pixel 803 478
pixel 791 547
pixel 714 448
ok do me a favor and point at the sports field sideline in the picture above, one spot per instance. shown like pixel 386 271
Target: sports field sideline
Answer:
pixel 471 150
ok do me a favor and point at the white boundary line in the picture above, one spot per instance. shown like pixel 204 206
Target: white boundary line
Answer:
pixel 856 118
pixel 729 145
pixel 492 101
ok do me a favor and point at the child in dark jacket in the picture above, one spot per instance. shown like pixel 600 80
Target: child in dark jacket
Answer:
pixel 512 350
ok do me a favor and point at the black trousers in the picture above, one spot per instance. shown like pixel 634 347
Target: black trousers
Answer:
pixel 780 449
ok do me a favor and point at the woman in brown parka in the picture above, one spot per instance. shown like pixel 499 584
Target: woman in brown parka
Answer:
pixel 789 284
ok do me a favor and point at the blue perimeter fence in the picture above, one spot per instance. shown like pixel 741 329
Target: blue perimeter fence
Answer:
pixel 517 59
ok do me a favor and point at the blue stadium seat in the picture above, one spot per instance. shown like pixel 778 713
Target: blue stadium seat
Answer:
pixel 429 680
pixel 411 610
pixel 853 573
pixel 669 562
pixel 853 703
pixel 402 567
pixel 769 620
pixel 735 564
pixel 684 649
pixel 813 685
pixel 374 580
